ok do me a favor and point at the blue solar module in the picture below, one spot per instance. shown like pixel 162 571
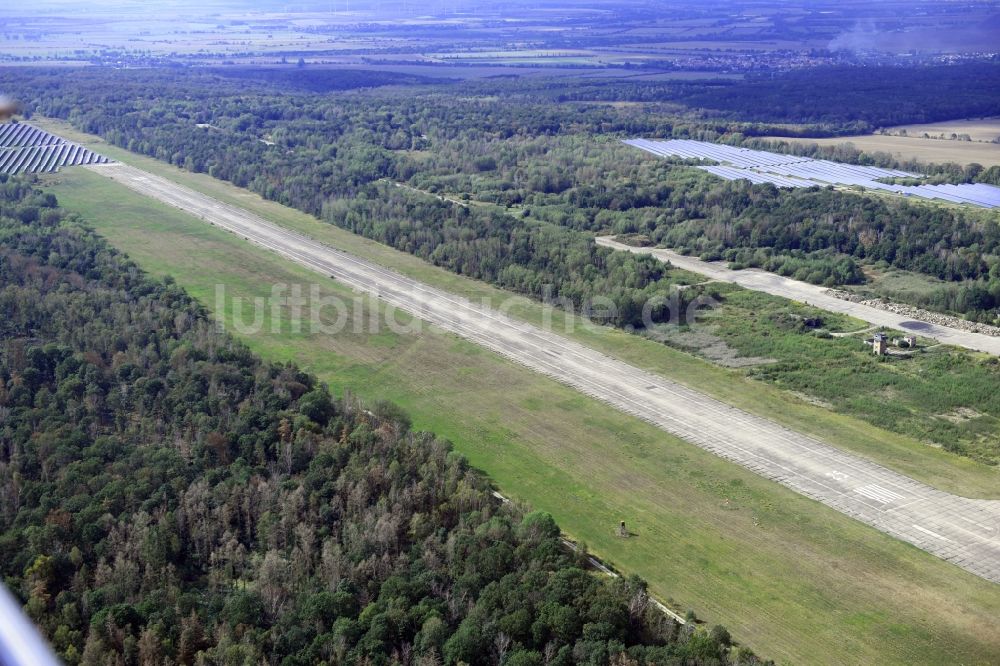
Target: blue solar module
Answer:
pixel 759 166
pixel 27 149
pixel 731 173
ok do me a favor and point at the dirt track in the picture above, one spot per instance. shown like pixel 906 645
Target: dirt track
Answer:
pixel 963 531
pixel 814 295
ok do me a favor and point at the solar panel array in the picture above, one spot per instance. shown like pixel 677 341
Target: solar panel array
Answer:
pixel 22 134
pixel 28 149
pixel 760 166
pixel 755 177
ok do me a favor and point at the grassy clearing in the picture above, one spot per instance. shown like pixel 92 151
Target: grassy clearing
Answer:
pixel 916 392
pixel 896 284
pixel 903 453
pixel 793 579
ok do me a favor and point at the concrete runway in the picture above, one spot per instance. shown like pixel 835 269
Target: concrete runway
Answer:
pixel 963 531
pixel 814 295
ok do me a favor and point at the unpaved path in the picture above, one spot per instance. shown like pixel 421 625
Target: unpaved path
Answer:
pixel 814 295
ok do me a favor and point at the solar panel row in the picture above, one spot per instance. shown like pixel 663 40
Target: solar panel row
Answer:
pixel 760 166
pixel 46 159
pixel 22 134
pixel 731 173
pixel 27 149
pixel 762 160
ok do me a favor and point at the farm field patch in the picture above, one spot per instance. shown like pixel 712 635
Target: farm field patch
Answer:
pixel 978 129
pixel 915 148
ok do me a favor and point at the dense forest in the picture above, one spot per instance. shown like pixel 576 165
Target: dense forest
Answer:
pixel 822 101
pixel 539 178
pixel 861 97
pixel 818 234
pixel 318 79
pixel 336 161
pixel 167 497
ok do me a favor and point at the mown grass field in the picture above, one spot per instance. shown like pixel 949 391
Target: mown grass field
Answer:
pixel 793 579
pixel 904 454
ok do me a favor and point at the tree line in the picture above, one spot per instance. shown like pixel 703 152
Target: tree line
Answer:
pixel 535 161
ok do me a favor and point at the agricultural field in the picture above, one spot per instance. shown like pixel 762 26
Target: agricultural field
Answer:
pixel 916 148
pixel 849 594
pixel 521 38
pixel 213 30
pixel 979 130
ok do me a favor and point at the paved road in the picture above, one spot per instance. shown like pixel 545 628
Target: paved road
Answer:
pixel 963 531
pixel 814 295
